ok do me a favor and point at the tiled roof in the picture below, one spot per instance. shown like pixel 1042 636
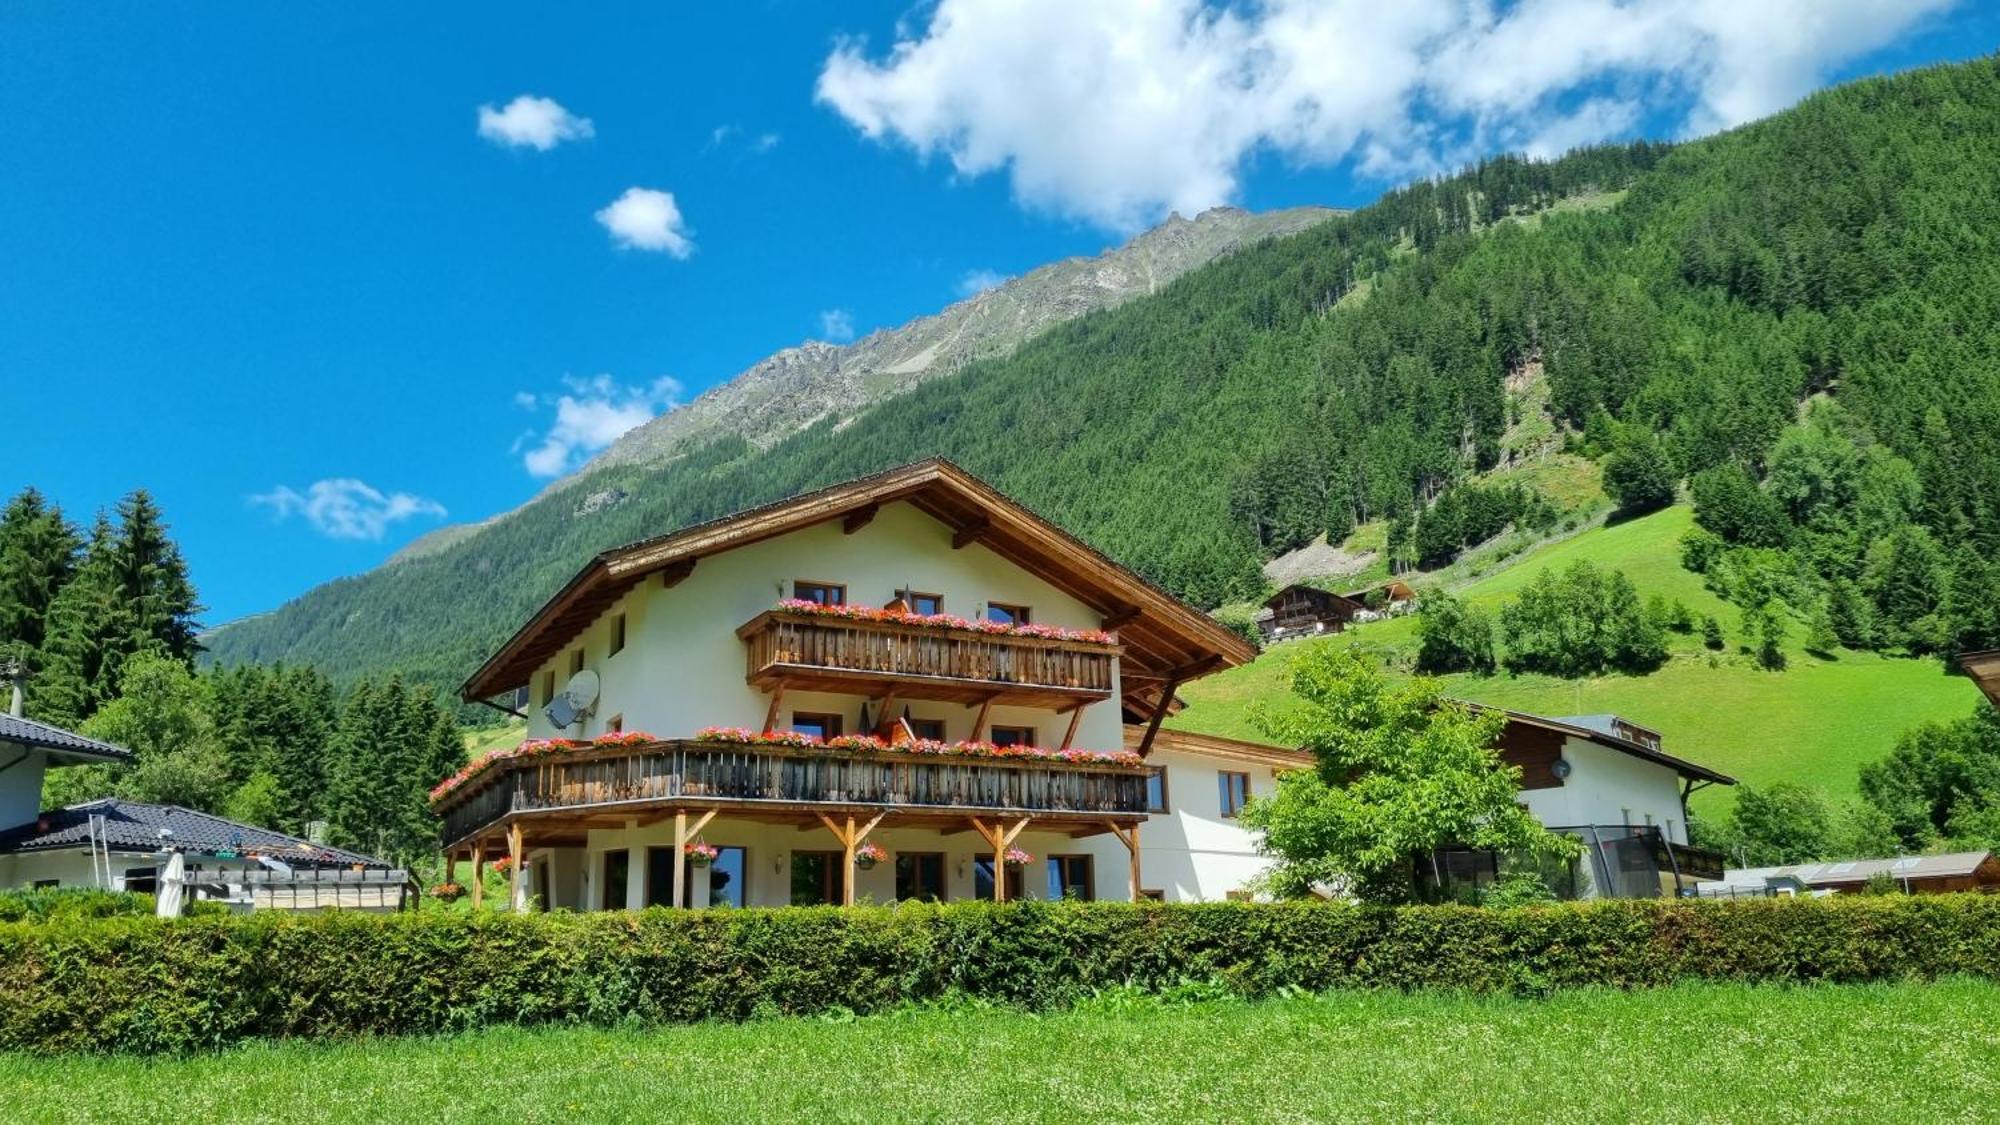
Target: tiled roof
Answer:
pixel 28 732
pixel 132 826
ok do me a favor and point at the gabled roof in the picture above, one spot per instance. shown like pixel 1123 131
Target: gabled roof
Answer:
pixel 1161 634
pixel 1984 668
pixel 59 742
pixel 1577 727
pixel 132 826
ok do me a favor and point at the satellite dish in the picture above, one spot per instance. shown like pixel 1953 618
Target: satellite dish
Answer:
pixel 576 700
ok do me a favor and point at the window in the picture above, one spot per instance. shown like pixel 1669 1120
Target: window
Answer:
pixel 819 725
pixel 825 593
pixel 1007 614
pixel 614 724
pixel 982 881
pixel 932 729
pixel 920 875
pixel 1156 790
pixel 617 873
pixel 816 878
pixel 548 687
pixel 1069 877
pixel 1013 736
pixel 576 662
pixel 1235 791
pixel 926 604
pixel 617 634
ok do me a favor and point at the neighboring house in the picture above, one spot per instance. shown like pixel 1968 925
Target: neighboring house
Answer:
pixel 917 606
pixel 1303 611
pixel 1606 782
pixel 1984 668
pixel 124 845
pixel 1914 874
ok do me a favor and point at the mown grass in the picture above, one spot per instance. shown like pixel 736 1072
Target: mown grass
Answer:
pixel 1888 1053
pixel 1815 722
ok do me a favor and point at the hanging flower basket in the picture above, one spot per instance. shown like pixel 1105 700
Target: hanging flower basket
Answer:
pixel 1015 857
pixel 701 855
pixel 868 855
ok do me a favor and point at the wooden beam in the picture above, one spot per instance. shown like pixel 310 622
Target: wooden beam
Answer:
pixel 777 700
pixel 970 533
pixel 675 573
pixel 517 897
pixel 1075 718
pixel 1122 616
pixel 858 519
pixel 1159 716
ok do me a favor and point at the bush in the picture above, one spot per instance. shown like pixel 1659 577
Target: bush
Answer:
pixel 144 984
pixel 26 905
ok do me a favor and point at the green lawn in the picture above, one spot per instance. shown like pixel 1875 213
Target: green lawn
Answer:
pixel 1814 722
pixel 1889 1053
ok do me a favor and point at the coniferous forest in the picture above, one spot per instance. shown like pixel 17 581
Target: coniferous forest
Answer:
pixel 1795 316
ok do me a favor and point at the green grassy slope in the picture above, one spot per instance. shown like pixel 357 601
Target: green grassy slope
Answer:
pixel 1706 1053
pixel 1814 722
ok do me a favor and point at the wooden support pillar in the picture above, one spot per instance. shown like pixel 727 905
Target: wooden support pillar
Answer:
pixel 1130 838
pixel 478 872
pixel 683 834
pixel 517 900
pixel 850 837
pixel 1000 838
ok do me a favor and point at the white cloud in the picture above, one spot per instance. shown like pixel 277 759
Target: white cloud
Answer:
pixel 645 219
pixel 836 325
pixel 979 281
pixel 345 508
pixel 1116 111
pixel 532 122
pixel 590 414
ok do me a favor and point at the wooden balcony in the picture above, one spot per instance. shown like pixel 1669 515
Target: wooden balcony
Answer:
pixel 602 786
pixel 805 652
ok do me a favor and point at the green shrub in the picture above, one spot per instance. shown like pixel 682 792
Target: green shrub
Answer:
pixel 143 984
pixel 40 905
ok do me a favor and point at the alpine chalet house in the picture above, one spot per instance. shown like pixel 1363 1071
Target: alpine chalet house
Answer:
pixel 905 686
pixel 909 686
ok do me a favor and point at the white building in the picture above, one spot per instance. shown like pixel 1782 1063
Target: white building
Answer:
pixel 909 664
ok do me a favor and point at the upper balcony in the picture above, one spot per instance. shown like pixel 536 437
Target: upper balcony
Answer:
pixel 812 652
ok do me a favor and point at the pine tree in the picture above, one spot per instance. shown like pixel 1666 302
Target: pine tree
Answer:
pixel 39 551
pixel 153 579
pixel 83 654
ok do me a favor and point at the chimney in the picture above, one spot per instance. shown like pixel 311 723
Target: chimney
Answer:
pixel 15 672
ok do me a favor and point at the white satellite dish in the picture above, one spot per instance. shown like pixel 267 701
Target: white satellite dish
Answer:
pixel 576 700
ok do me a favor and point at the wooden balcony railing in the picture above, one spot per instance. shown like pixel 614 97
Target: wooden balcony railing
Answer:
pixel 772 778
pixel 813 653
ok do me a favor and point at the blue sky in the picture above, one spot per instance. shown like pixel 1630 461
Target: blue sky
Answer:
pixel 246 251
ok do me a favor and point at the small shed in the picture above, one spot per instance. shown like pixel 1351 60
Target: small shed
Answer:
pixel 1303 610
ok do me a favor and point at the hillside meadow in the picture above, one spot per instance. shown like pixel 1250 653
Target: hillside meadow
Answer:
pixel 1877 1053
pixel 1816 721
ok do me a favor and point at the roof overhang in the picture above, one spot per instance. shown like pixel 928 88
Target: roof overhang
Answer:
pixel 1165 640
pixel 1984 668
pixel 1682 766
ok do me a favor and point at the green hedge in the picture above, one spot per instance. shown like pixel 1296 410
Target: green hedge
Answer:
pixel 142 984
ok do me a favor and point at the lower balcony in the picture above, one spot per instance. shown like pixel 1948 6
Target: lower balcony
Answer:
pixel 604 786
